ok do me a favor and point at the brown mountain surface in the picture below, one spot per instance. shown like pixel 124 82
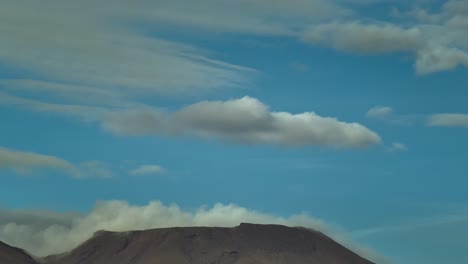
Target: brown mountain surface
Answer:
pixel 244 244
pixel 12 255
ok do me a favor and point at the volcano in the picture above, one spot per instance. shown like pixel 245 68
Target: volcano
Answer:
pixel 244 244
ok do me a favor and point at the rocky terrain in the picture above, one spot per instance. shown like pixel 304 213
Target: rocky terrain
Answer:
pixel 244 244
pixel 12 255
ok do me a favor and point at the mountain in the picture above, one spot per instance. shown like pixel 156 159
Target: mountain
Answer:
pixel 244 244
pixel 12 255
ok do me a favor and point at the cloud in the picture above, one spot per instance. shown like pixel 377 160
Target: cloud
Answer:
pixel 147 169
pixel 245 120
pixel 412 224
pixel 83 51
pixel 86 48
pixel 439 58
pixel 448 120
pixel 364 38
pixel 44 233
pixel 30 163
pixel 397 147
pixel 25 162
pixel 273 17
pixel 72 51
pixel 388 115
pixel 379 112
pixel 438 39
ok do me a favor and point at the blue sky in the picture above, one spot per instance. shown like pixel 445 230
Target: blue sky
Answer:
pixel 345 116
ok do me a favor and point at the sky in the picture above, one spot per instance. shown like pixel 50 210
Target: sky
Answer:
pixel 347 116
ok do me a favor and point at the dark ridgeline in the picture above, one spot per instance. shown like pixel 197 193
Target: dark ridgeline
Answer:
pixel 244 244
pixel 12 255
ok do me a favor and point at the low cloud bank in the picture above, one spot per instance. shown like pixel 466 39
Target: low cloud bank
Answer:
pixel 44 232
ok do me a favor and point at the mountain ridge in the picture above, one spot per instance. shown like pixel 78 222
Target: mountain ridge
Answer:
pixel 243 244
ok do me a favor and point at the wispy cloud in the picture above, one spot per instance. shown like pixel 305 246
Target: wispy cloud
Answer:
pixel 95 48
pixel 355 36
pixel 398 147
pixel 147 170
pixel 31 163
pixel 388 115
pixel 379 112
pixel 414 224
pixel 448 120
pixel 25 162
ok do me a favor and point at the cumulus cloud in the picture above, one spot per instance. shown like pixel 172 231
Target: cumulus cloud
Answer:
pixel 44 233
pixel 448 120
pixel 147 170
pixel 379 112
pixel 245 120
pixel 438 39
pixel 439 58
pixel 30 163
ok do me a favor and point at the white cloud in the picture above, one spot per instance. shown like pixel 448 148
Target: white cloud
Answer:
pixel 25 162
pixel 397 146
pixel 245 120
pixel 44 233
pixel 82 47
pixel 30 163
pixel 388 115
pixel 274 17
pixel 91 49
pixel 439 58
pixel 449 120
pixel 118 49
pixel 438 40
pixel 379 112
pixel 147 169
pixel 364 38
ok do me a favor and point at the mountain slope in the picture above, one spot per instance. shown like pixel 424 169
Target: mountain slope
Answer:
pixel 244 244
pixel 12 255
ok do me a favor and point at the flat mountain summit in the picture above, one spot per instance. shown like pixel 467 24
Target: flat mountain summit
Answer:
pixel 244 244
